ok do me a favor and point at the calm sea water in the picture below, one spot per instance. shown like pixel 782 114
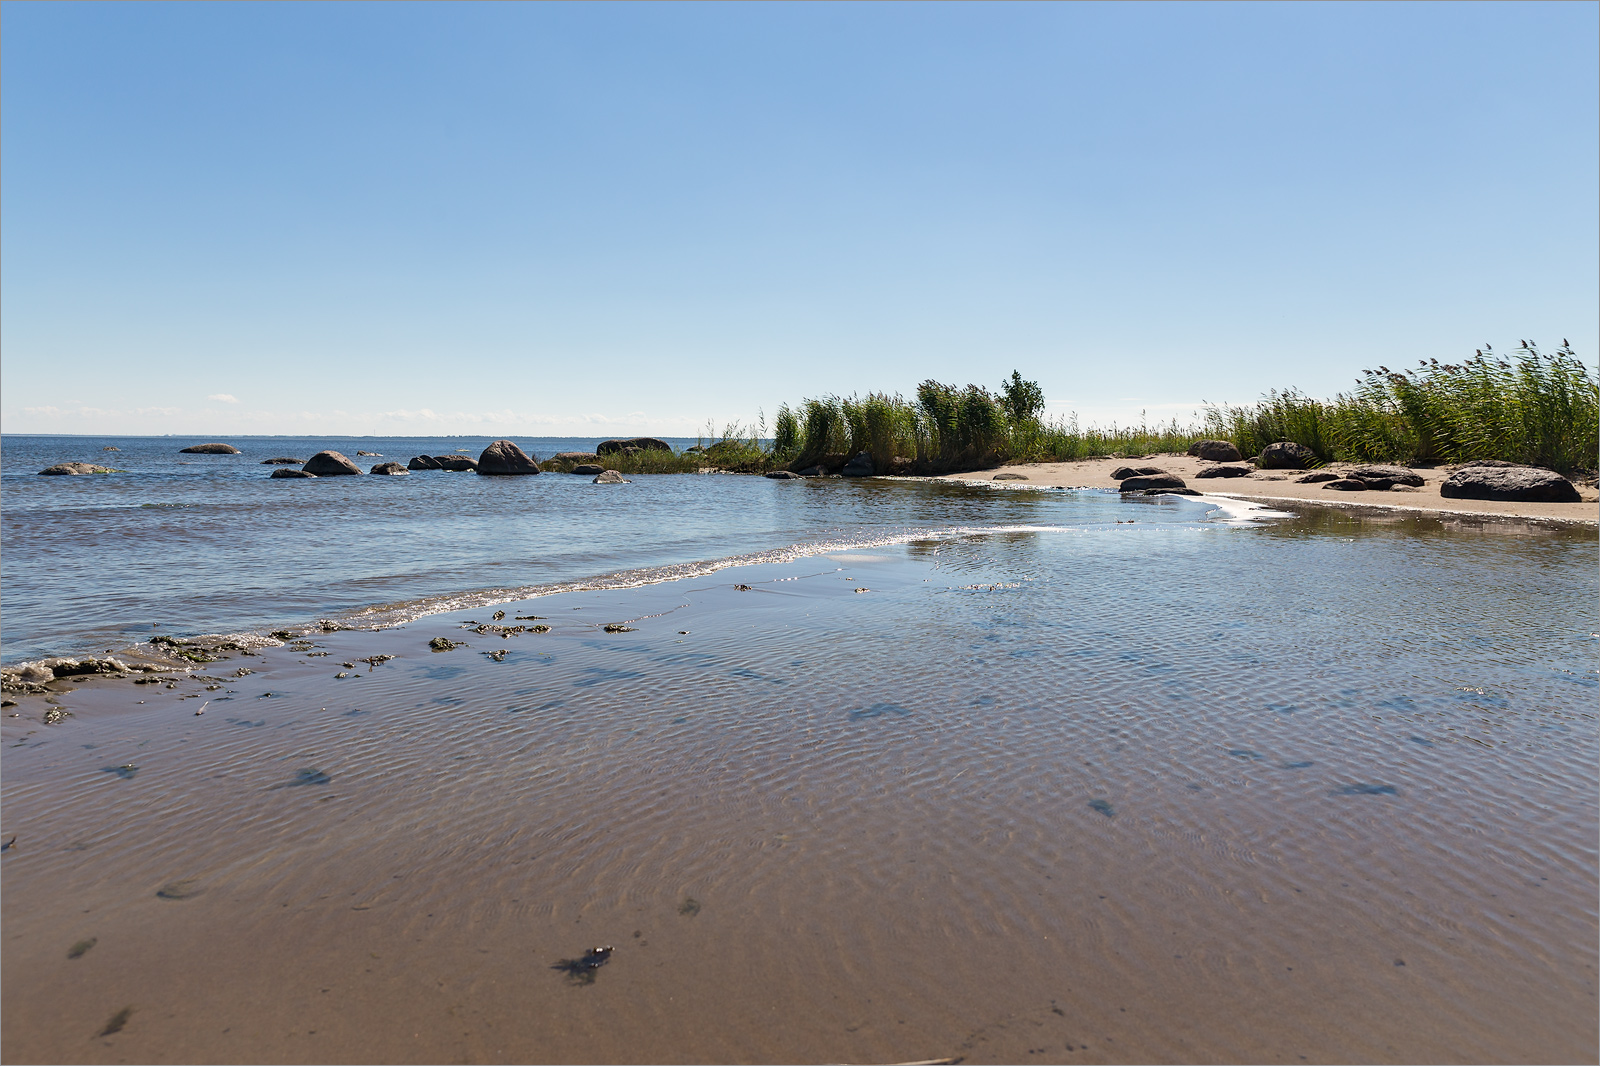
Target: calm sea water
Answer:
pixel 934 770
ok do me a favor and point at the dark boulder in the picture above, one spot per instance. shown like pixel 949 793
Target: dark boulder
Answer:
pixel 1009 477
pixel 783 475
pixel 209 449
pixel 1520 484
pixel 1346 484
pixel 901 466
pixel 1215 451
pixel 282 460
pixel 1224 471
pixel 457 463
pixel 1316 476
pixel 1394 475
pixel 608 447
pixel 1287 455
pixel 1159 482
pixel 423 462
pixel 610 477
pixel 859 466
pixel 1122 473
pixel 284 471
pixel 74 468
pixel 574 457
pixel 503 458
pixel 330 464
pixel 390 469
pixel 589 469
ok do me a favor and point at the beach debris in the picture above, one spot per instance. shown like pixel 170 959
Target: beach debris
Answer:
pixel 581 970
pixel 187 888
pixel 498 655
pixel 282 634
pixel 618 627
pixel 81 948
pixel 309 775
pixel 125 771
pixel 329 626
pixel 689 907
pixel 1366 790
pixel 1104 807
pixel 539 629
pixel 743 588
pixel 8 845
pixel 243 671
pixel 529 617
pixel 202 709
pixel 374 660
pixel 118 1020
pixel 340 674
pixel 445 644
pixel 863 590
pixel 53 715
pixel 499 615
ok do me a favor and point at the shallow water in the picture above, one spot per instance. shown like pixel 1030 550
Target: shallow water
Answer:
pixel 1065 789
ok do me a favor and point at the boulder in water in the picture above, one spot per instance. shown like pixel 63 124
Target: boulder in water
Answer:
pixel 611 477
pixel 589 469
pixel 783 475
pixel 457 463
pixel 282 460
pixel 284 471
pixel 390 469
pixel 423 462
pixel 330 464
pixel 209 449
pixel 505 458
pixel 74 468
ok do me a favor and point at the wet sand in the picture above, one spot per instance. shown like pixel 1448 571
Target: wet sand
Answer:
pixel 1281 485
pixel 866 808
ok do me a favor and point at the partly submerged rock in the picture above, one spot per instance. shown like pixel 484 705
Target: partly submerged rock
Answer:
pixel 74 468
pixel 610 477
pixel 457 463
pixel 209 449
pixel 391 469
pixel 423 462
pixel 589 468
pixel 1159 482
pixel 1215 451
pixel 860 465
pixel 1224 471
pixel 783 475
pixel 284 471
pixel 503 458
pixel 330 464
pixel 282 460
pixel 375 455
pixel 1520 484
pixel 1287 455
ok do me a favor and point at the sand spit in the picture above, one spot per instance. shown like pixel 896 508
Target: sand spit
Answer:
pixel 1281 485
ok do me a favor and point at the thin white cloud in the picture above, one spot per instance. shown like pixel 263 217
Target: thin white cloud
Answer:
pixel 223 397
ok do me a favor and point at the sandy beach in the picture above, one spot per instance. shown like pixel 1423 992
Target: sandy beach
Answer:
pixel 1282 485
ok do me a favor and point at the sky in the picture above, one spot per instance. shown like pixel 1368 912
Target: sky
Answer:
pixel 604 219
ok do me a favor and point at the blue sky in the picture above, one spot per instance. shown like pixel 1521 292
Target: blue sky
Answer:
pixel 597 219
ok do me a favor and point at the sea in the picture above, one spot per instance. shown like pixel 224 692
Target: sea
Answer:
pixel 835 769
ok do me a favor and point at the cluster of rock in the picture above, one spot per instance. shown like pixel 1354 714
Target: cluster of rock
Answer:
pixel 75 468
pixel 1374 478
pixel 632 446
pixel 501 459
pixel 31 678
pixel 861 464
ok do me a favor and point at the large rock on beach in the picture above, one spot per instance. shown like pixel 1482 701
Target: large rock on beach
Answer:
pixel 284 471
pixel 608 447
pixel 330 464
pixel 1158 482
pixel 1224 471
pixel 1009 477
pixel 282 460
pixel 1287 455
pixel 1215 451
pixel 611 477
pixel 209 449
pixel 74 468
pixel 1316 476
pixel 389 469
pixel 505 458
pixel 1347 484
pixel 1520 484
pixel 423 462
pixel 1123 472
pixel 860 465
pixel 1394 475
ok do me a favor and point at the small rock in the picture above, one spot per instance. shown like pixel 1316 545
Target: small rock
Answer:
pixel 1160 482
pixel 111 448
pixel 610 477
pixel 390 469
pixel 783 475
pixel 1215 451
pixel 74 468
pixel 375 455
pixel 1316 476
pixel 1009 477
pixel 209 449
pixel 588 469
pixel 503 458
pixel 860 465
pixel 1346 484
pixel 286 472
pixel 282 460
pixel 1224 471
pixel 1521 484
pixel 330 464
pixel 445 644
pixel 1287 455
